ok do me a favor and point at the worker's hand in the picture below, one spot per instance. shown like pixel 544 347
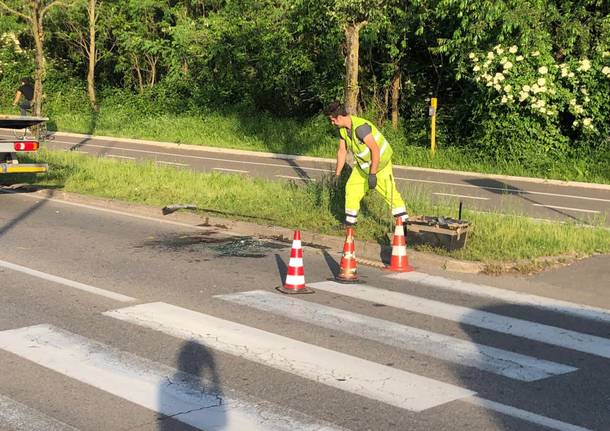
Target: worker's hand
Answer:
pixel 372 181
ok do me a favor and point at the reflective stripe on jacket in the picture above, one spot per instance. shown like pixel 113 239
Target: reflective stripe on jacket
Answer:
pixel 362 153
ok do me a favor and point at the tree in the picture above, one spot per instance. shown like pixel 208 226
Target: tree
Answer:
pixel 34 12
pixel 353 15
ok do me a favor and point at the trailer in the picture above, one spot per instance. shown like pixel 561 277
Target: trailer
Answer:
pixel 10 148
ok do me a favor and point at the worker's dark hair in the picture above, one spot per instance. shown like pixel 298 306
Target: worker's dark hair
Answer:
pixel 334 109
pixel 27 80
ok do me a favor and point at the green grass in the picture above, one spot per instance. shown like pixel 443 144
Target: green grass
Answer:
pixel 315 207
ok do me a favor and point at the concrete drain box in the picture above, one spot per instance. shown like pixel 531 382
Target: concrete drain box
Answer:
pixel 440 232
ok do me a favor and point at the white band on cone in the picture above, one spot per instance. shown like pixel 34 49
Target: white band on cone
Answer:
pixel 399 250
pixel 296 262
pixel 295 280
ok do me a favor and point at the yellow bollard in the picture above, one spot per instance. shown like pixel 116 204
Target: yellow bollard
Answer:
pixel 433 125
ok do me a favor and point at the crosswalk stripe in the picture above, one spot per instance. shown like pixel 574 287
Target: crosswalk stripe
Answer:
pixel 466 353
pixel 379 382
pixel 556 305
pixel 507 325
pixel 14 415
pixel 146 383
pixel 525 415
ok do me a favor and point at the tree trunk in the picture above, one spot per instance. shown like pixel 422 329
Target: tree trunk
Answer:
pixel 136 67
pixel 395 95
pixel 352 39
pixel 38 34
pixel 92 56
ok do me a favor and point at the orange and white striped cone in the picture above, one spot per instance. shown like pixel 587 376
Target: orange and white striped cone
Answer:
pixel 399 261
pixel 348 271
pixel 295 278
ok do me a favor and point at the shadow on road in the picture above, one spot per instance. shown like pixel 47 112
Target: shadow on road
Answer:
pixel 24 214
pixel 579 398
pixel 199 381
pixel 282 269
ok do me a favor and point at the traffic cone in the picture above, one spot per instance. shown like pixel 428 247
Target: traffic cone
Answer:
pixel 399 261
pixel 348 269
pixel 295 279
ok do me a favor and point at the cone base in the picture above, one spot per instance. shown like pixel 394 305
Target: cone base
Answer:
pixel 347 280
pixel 303 290
pixel 407 268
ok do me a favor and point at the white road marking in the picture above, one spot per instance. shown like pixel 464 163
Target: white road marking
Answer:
pixel 231 170
pixel 461 196
pixel 507 325
pixel 66 282
pixel 524 415
pixel 466 353
pixel 106 210
pixel 507 190
pixel 541 302
pixel 163 162
pixel 15 415
pixel 566 208
pixel 296 178
pixel 369 379
pixel 116 156
pixel 188 156
pixel 149 384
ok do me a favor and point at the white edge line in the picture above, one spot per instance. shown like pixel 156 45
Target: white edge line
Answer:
pixel 163 162
pixel 296 178
pixel 524 415
pixel 509 191
pixel 190 156
pixel 566 208
pixel 461 196
pixel 231 170
pixel 106 210
pixel 116 156
pixel 66 282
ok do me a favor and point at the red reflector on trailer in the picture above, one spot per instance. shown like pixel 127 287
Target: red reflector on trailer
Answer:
pixel 26 146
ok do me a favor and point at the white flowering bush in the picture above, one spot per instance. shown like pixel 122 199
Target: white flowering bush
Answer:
pixel 15 63
pixel 555 103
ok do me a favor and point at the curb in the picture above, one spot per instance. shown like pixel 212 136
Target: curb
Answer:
pixel 369 253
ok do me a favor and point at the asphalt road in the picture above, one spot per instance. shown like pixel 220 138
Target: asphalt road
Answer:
pixel 120 322
pixel 575 202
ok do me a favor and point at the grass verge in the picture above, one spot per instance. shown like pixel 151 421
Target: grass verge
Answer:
pixel 315 207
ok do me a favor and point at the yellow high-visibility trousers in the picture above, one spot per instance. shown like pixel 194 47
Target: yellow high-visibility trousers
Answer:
pixel 357 186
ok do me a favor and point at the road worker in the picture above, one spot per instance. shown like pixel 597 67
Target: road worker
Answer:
pixel 373 162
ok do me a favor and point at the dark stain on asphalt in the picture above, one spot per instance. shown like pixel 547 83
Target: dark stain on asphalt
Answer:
pixel 218 243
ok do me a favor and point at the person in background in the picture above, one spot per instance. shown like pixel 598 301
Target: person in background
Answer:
pixel 26 93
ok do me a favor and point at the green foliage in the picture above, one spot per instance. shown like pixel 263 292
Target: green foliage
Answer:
pixel 14 61
pixel 271 63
